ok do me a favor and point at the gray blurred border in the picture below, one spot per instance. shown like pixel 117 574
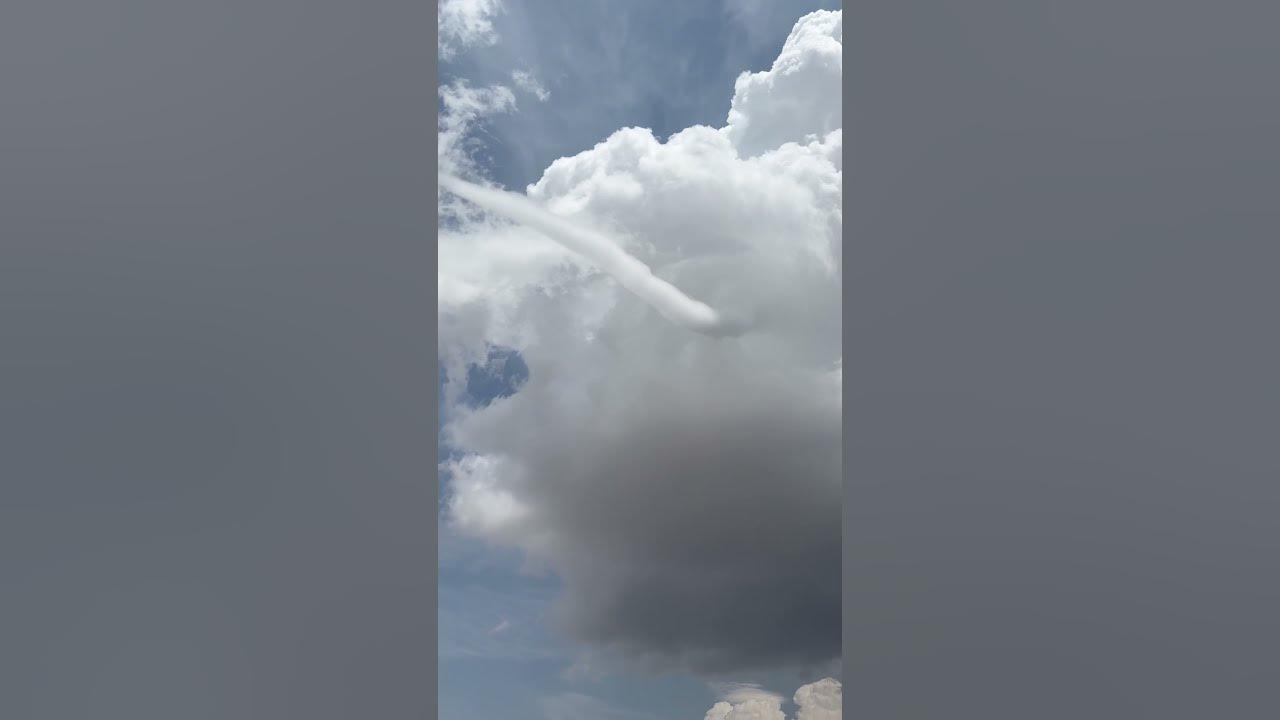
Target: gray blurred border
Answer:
pixel 1061 396
pixel 217 360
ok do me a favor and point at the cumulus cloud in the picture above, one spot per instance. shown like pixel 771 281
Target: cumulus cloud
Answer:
pixel 816 701
pixel 465 23
pixel 819 701
pixel 685 488
pixel 749 710
pixel 785 103
pixel 747 702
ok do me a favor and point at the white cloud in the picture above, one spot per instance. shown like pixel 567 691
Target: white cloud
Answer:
pixel 479 500
pixel 739 693
pixel 819 701
pixel 749 710
pixel 527 82
pixel 465 23
pixel 685 488
pixel 815 701
pixel 465 107
pixel 790 102
pixel 746 702
pixel 604 253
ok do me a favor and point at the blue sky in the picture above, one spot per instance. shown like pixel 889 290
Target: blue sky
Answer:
pixel 607 65
pixel 610 64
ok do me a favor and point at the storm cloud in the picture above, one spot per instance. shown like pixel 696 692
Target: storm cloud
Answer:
pixel 686 489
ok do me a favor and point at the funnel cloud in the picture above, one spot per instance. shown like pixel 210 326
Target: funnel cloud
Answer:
pixel 631 273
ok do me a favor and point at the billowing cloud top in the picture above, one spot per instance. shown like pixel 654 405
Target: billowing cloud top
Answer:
pixel 821 700
pixel 791 101
pixel 686 488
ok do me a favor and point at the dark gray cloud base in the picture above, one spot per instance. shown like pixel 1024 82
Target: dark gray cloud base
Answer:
pixel 692 532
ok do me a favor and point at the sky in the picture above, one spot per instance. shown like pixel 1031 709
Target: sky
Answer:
pixel 640 514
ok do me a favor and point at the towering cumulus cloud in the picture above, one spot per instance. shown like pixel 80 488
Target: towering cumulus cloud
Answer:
pixel 816 701
pixel 685 488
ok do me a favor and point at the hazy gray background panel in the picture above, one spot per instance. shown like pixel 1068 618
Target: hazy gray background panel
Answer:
pixel 216 321
pixel 1063 400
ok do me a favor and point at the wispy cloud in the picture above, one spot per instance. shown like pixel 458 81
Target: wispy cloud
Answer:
pixel 465 23
pixel 527 82
pixel 465 108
